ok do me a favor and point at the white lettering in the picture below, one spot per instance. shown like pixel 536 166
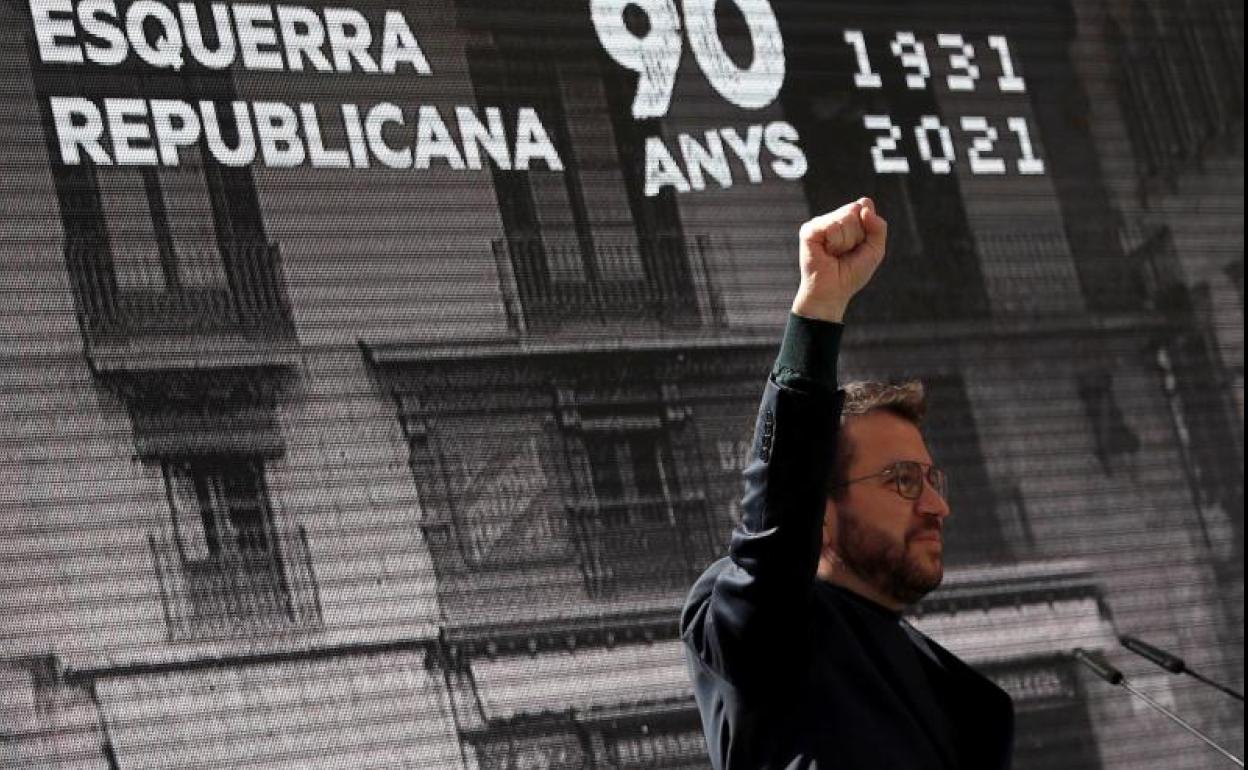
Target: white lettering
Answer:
pixel 962 61
pixel 131 135
pixel 318 155
pixel 1028 163
pixel 662 170
pixel 374 127
pixel 349 37
pixel 433 139
pixel 781 140
pixel 95 16
pixel 257 38
pixel 303 36
pixel 865 77
pixel 758 85
pixel 747 150
pixel 655 56
pixel 165 51
pixel 476 137
pixel 175 125
pixel 888 142
pixel 710 159
pixel 78 126
pixel 532 143
pixel 398 44
pixel 141 132
pixel 49 31
pixel 913 56
pixel 1009 82
pixel 223 56
pixel 981 146
pixel 355 136
pixel 944 163
pixel 278 130
pixel 245 150
pixel 263 36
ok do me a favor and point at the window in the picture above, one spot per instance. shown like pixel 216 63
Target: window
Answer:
pixel 582 243
pixel 220 511
pixel 975 527
pixel 161 229
pixel 1112 437
pixel 228 568
pixel 636 527
pixel 1053 725
pixel 1205 420
pixel 1181 80
pixel 540 746
pixel 162 248
pixel 670 740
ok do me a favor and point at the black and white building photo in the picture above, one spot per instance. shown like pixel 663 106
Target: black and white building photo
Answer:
pixel 377 377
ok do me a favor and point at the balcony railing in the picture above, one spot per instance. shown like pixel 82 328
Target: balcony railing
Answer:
pixel 251 300
pixel 1159 267
pixel 229 595
pixel 642 545
pixel 1028 271
pixel 550 282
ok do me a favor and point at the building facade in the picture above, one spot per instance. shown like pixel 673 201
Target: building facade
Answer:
pixel 312 461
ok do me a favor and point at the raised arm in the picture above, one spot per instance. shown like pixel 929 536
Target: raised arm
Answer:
pixel 838 253
pixel 748 612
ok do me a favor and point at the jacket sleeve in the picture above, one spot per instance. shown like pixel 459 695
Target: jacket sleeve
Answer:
pixel 754 615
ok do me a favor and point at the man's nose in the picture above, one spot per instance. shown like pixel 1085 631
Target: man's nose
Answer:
pixel 930 503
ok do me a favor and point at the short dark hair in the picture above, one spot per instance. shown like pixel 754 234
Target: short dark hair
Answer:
pixel 907 400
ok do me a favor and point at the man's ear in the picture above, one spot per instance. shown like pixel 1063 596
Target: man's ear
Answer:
pixel 829 524
pixel 828 558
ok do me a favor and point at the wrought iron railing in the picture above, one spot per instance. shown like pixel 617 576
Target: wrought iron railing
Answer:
pixel 555 281
pixel 255 273
pixel 1154 256
pixel 1028 270
pixel 250 299
pixel 238 595
pixel 1179 89
pixel 643 544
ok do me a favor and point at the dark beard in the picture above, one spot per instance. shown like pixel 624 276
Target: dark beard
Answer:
pixel 882 564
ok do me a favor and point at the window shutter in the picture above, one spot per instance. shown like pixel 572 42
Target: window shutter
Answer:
pixel 192 232
pixel 187 515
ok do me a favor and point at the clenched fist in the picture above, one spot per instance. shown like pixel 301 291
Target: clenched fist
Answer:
pixel 839 253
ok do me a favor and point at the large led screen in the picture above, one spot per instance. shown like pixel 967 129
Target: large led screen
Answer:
pixel 376 377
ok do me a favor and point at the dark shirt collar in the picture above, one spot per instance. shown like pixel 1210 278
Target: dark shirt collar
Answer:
pixel 882 611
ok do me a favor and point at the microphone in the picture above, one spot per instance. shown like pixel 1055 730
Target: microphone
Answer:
pixel 1104 670
pixel 1172 663
pixel 1100 666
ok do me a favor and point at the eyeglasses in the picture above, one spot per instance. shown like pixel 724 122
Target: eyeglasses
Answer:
pixel 908 476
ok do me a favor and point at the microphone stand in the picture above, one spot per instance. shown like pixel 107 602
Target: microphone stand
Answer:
pixel 1237 696
pixel 1172 663
pixel 1105 671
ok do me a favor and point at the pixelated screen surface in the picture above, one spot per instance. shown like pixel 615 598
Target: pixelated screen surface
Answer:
pixel 378 377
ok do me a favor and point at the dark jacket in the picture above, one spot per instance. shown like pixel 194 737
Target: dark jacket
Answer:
pixel 793 672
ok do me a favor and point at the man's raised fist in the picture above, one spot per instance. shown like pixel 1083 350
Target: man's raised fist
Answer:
pixel 839 253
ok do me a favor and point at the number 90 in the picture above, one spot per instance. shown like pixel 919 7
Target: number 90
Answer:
pixel 655 55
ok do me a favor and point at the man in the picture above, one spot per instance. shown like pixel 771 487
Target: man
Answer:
pixel 796 644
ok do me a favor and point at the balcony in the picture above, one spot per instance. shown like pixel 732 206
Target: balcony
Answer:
pixel 550 283
pixel 231 594
pixel 1155 257
pixel 1011 612
pixel 251 303
pixel 641 545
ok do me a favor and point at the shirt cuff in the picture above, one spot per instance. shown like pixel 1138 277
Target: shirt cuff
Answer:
pixel 808 355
